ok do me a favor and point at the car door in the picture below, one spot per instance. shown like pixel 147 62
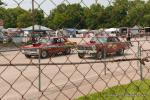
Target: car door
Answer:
pixel 53 46
pixel 116 44
pixel 61 44
pixel 119 44
pixel 111 44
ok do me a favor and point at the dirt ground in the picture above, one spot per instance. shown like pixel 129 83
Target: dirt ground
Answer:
pixel 65 82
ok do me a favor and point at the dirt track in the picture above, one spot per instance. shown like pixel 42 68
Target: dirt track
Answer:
pixel 72 80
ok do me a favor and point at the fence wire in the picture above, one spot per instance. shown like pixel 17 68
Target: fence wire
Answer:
pixel 70 50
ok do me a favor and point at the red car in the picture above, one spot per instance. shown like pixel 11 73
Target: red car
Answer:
pixel 47 46
pixel 99 47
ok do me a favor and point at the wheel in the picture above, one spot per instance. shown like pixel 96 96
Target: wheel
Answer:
pixel 67 51
pixel 81 55
pixel 44 54
pixel 28 56
pixel 120 52
pixel 101 54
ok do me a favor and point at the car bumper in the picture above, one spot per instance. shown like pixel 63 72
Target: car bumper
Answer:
pixel 87 51
pixel 32 53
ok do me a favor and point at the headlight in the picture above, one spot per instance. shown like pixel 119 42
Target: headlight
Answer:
pixel 38 51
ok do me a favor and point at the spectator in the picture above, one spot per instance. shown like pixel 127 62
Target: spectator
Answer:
pixel 128 38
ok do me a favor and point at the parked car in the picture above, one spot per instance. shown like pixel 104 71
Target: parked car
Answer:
pixel 47 46
pixel 100 47
pixel 4 38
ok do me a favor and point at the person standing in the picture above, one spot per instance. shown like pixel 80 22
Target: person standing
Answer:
pixel 128 38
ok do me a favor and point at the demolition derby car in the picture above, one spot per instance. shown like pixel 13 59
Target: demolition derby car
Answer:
pixel 48 46
pixel 101 46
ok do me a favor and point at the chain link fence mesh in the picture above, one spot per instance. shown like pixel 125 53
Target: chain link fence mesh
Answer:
pixel 67 74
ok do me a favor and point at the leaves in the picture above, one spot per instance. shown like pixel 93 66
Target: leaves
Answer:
pixel 121 13
pixel 1 3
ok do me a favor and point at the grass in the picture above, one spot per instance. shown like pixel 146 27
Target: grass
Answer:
pixel 6 44
pixel 137 90
pixel 12 44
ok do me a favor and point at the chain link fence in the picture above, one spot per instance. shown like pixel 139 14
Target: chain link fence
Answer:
pixel 69 49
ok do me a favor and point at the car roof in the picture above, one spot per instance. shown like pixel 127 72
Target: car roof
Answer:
pixel 56 37
pixel 51 37
pixel 104 36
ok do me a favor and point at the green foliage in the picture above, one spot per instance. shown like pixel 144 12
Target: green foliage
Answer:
pixel 11 16
pixel 122 13
pixel 137 90
pixel 39 16
pixel 2 13
pixel 24 20
pixel 66 16
pixel 94 16
pixel 1 3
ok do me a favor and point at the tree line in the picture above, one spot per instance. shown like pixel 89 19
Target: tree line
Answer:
pixel 121 13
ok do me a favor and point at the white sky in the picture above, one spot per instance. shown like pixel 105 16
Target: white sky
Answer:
pixel 47 5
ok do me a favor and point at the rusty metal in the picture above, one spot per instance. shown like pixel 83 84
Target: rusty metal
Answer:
pixel 141 60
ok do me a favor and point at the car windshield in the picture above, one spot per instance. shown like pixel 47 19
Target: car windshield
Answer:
pixel 45 40
pixel 99 39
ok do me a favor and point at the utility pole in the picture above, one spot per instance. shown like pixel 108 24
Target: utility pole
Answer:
pixel 96 2
pixel 33 16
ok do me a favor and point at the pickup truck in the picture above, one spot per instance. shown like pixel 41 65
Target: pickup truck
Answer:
pixel 101 46
pixel 48 46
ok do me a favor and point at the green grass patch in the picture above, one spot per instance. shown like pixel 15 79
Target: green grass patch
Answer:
pixel 137 90
pixel 7 44
pixel 12 44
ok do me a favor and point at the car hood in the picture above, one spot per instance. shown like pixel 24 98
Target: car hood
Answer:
pixel 87 44
pixel 33 46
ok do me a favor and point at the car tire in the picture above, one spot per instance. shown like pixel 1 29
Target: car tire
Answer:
pixel 28 56
pixel 67 51
pixel 120 52
pixel 104 54
pixel 81 55
pixel 101 54
pixel 44 54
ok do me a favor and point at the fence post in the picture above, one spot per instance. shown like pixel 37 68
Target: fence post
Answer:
pixel 141 67
pixel 139 64
pixel 39 61
pixel 105 68
pixel 105 65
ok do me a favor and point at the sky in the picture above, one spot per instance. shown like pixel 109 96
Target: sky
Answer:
pixel 47 5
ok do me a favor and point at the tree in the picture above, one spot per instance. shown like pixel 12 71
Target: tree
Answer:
pixel 119 12
pixel 1 3
pixel 38 16
pixel 11 16
pixel 94 16
pixel 24 20
pixel 136 13
pixel 55 19
pixel 2 13
pixel 146 18
pixel 66 16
